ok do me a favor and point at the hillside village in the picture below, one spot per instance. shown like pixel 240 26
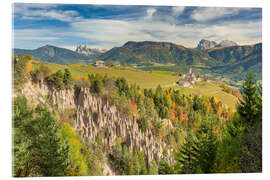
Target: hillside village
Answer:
pixel 188 80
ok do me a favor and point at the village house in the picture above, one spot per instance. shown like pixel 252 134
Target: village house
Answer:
pixel 117 63
pixel 99 63
pixel 188 80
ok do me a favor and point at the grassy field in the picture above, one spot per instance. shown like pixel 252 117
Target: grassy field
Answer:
pixel 210 89
pixel 148 79
pixel 142 78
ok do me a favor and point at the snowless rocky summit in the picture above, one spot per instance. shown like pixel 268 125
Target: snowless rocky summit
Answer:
pixel 84 49
pixel 206 44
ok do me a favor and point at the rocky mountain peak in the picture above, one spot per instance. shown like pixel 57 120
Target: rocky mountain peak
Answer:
pixel 206 44
pixel 226 43
pixel 84 49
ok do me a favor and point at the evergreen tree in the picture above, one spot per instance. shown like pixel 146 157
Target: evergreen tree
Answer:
pixel 250 109
pixel 39 151
pixel 207 144
pixel 164 167
pixel 186 156
pixel 248 106
pixel 67 79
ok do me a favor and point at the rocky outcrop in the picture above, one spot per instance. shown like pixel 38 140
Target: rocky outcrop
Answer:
pixel 96 116
pixel 226 43
pixel 206 44
pixel 84 49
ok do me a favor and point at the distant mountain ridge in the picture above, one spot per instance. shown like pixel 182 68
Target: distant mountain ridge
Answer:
pixel 206 44
pixel 53 54
pixel 84 49
pixel 160 52
pixel 234 60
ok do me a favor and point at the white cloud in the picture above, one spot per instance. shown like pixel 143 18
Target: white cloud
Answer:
pixel 43 11
pixel 108 33
pixel 34 35
pixel 150 13
pixel 177 10
pixel 117 32
pixel 209 13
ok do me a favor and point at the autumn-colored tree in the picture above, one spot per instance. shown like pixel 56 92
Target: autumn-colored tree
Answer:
pixel 28 66
pixel 85 78
pixel 46 71
pixel 77 78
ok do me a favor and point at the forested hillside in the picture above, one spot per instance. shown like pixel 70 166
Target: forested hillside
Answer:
pixel 107 126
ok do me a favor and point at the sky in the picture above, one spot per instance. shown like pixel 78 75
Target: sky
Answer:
pixel 108 26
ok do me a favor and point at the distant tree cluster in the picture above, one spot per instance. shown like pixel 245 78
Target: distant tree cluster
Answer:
pixel 230 90
pixel 21 66
pixel 59 80
pixel 130 163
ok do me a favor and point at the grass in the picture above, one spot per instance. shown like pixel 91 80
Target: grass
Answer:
pixel 142 78
pixel 210 89
pixel 162 72
pixel 149 80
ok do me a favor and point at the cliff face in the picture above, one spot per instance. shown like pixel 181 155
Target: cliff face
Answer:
pixel 95 116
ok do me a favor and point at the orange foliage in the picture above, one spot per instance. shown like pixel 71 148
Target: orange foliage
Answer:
pixel 162 134
pixel 46 71
pixel 134 109
pixel 172 115
pixel 173 105
pixel 85 78
pixel 28 66
pixel 78 78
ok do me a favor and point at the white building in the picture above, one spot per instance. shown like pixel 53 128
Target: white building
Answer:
pixel 99 63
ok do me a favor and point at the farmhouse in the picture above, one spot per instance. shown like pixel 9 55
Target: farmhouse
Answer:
pixel 99 63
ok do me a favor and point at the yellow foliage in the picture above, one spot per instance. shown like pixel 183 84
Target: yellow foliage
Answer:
pixel 215 100
pixel 79 161
pixel 173 105
pixel 28 66
pixel 120 139
pixel 85 78
pixel 78 78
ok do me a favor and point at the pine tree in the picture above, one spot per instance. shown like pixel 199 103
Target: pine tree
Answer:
pixel 207 144
pixel 248 107
pixel 186 156
pixel 38 147
pixel 48 150
pixel 67 79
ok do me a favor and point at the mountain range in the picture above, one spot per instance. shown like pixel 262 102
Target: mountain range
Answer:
pixel 225 57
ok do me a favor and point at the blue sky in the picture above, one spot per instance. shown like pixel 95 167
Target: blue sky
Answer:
pixel 107 26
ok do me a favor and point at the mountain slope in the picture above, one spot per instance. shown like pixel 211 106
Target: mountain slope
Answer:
pixel 237 60
pixel 54 54
pixel 232 60
pixel 159 52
